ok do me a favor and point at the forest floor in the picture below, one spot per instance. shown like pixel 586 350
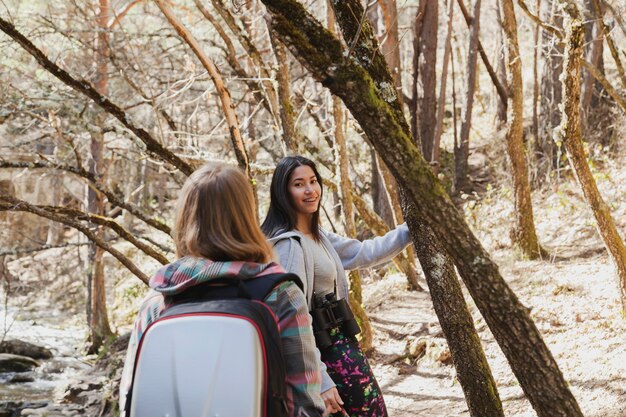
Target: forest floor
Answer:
pixel 573 297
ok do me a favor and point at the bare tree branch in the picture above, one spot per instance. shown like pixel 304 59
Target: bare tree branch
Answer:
pixel 23 206
pixel 225 99
pixel 114 198
pixel 15 204
pixel 84 87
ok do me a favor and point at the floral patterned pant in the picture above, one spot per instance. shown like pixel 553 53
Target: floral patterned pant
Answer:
pixel 349 369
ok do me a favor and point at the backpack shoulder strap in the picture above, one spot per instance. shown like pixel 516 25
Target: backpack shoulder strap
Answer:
pixel 260 287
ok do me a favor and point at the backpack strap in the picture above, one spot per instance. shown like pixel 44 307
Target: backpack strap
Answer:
pixel 256 288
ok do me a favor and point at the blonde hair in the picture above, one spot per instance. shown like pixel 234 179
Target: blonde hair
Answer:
pixel 215 217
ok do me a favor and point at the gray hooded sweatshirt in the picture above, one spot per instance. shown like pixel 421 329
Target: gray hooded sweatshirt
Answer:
pixel 294 253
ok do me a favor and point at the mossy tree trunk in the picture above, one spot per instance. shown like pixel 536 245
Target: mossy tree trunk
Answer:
pixel 524 234
pixel 456 321
pixel 391 51
pixel 472 368
pixel 367 95
pixel 345 195
pixel 570 132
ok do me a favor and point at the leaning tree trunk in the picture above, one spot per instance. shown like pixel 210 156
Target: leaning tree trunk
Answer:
pixel 345 195
pixel 391 52
pixel 461 154
pixel 472 368
pixel 524 234
pixel 456 321
pixel 571 135
pixel 364 92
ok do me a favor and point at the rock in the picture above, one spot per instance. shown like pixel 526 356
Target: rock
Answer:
pixel 13 408
pixel 19 347
pixel 21 377
pixel 415 349
pixel 73 392
pixel 16 363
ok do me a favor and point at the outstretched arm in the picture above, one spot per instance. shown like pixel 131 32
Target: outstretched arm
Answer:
pixel 355 254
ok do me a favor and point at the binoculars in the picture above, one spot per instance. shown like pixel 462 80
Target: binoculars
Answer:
pixel 328 313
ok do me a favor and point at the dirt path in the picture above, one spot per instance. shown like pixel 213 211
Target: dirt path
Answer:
pixel 575 304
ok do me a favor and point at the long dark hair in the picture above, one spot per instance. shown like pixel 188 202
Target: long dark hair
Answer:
pixel 281 215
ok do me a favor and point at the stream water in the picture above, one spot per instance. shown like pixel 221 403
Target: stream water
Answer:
pixel 49 328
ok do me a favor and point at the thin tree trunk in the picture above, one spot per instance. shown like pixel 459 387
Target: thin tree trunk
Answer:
pixel 501 67
pixel 501 89
pixel 391 51
pixel 427 61
pixel 357 84
pixel 461 154
pixel 610 42
pixel 254 55
pixel 391 45
pixel 345 194
pixel 524 234
pixel 536 42
pixel 97 314
pixel 571 135
pixel 259 89
pixel 284 96
pixel 594 39
pixel 472 368
pixel 442 89
pixel 417 52
pixel 380 195
pixel 152 145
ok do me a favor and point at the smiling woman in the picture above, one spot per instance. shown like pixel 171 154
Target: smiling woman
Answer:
pixel 320 258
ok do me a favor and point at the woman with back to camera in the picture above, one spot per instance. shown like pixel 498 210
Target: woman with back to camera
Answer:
pixel 320 259
pixel 217 236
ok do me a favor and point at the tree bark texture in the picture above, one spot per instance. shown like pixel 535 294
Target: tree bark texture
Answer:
pixel 524 234
pixel 461 154
pixel 501 68
pixel 364 92
pixel 287 118
pixel 536 41
pixel 472 368
pixel 571 134
pixel 427 61
pixel 441 105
